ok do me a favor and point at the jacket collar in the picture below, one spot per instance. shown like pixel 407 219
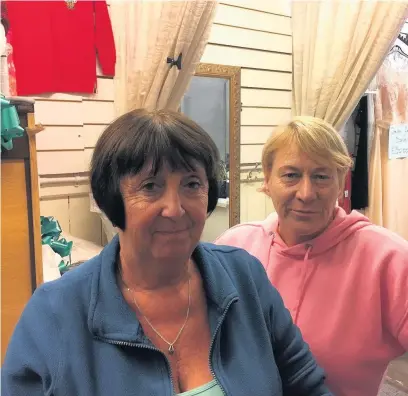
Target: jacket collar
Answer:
pixel 111 318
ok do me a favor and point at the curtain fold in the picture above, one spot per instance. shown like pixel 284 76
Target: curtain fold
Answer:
pixel 146 34
pixel 338 46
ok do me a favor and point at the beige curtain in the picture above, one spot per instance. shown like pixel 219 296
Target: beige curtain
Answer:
pixel 146 33
pixel 338 46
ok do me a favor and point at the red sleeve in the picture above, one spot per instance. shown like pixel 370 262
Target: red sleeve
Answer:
pixel 104 41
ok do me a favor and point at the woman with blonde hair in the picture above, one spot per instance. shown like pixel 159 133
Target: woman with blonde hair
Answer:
pixel 343 279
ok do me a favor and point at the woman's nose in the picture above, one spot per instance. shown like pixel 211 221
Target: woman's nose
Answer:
pixel 306 190
pixel 172 204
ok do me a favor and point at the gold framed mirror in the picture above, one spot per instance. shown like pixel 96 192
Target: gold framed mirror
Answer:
pixel 213 100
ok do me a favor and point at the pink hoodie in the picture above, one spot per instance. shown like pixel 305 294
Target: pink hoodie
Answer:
pixel 347 290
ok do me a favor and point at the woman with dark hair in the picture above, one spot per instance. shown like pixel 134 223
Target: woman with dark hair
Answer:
pixel 158 312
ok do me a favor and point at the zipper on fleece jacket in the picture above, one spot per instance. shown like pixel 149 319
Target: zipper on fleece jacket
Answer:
pixel 143 346
pixel 213 342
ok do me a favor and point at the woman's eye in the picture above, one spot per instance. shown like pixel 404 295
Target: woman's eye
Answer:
pixel 149 186
pixel 321 177
pixel 290 175
pixel 194 185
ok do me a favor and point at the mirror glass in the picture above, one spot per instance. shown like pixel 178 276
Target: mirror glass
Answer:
pixel 213 101
pixel 212 115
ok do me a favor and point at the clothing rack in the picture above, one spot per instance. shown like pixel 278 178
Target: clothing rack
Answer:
pixel 401 45
pixel 251 178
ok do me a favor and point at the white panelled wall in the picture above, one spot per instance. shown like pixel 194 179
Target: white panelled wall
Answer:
pixel 73 124
pixel 253 34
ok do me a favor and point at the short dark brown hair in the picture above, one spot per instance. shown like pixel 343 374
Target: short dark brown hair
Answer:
pixel 155 137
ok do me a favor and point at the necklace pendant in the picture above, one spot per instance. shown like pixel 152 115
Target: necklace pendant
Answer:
pixel 171 349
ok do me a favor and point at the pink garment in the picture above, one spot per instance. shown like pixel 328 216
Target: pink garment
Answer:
pixel 347 290
pixel 387 178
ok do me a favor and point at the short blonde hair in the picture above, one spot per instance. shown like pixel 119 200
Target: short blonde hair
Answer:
pixel 313 136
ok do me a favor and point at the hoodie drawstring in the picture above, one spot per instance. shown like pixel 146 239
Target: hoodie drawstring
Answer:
pixel 308 274
pixel 309 249
pixel 272 234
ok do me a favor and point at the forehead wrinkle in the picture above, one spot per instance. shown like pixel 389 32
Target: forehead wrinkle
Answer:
pixel 295 158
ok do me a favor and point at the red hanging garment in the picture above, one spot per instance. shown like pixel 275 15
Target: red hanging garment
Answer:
pixel 56 44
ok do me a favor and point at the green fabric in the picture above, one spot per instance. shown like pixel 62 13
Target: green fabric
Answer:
pixel 10 124
pixel 210 389
pixel 50 235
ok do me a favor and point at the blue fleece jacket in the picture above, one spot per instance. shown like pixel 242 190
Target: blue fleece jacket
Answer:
pixel 77 336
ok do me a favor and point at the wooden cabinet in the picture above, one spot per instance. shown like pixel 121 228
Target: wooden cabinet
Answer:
pixel 21 263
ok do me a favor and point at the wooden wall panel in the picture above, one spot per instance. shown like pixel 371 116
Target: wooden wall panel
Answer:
pixel 251 153
pixel 84 223
pixel 266 79
pixel 264 116
pixel 252 19
pixel 278 7
pixel 98 112
pixel 48 112
pixel 58 208
pixel 60 138
pixel 248 58
pixel 255 134
pixel 253 202
pixel 104 90
pixel 61 162
pixel 254 39
pixel 251 97
pixel 91 134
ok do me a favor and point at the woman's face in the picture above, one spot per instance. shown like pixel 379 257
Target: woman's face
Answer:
pixel 304 192
pixel 165 213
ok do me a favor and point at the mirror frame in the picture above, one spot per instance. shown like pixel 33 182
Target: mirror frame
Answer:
pixel 233 74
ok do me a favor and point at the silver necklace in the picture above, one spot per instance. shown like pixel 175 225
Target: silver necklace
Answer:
pixel 170 344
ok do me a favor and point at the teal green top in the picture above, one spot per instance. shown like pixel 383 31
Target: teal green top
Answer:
pixel 210 389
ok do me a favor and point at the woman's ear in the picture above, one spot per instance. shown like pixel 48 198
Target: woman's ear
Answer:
pixel 264 188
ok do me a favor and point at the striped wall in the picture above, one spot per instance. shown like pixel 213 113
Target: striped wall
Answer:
pixel 253 34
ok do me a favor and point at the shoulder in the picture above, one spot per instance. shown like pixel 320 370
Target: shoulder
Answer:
pixel 255 229
pixel 247 275
pixel 54 305
pixel 383 256
pixel 63 293
pixel 74 278
pixel 381 242
pixel 241 233
pixel 238 263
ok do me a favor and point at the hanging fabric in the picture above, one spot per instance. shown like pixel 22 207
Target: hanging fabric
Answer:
pixel 8 70
pixel 359 187
pixel 56 44
pixel 10 124
pixel 338 47
pixel 388 195
pixel 159 45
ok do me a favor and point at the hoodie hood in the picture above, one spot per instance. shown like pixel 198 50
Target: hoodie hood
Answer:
pixel 342 226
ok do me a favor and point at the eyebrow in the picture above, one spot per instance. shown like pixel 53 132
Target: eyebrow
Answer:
pixel 294 169
pixel 289 168
pixel 322 169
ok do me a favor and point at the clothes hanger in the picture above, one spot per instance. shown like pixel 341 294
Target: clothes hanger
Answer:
pixel 403 37
pixel 398 49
